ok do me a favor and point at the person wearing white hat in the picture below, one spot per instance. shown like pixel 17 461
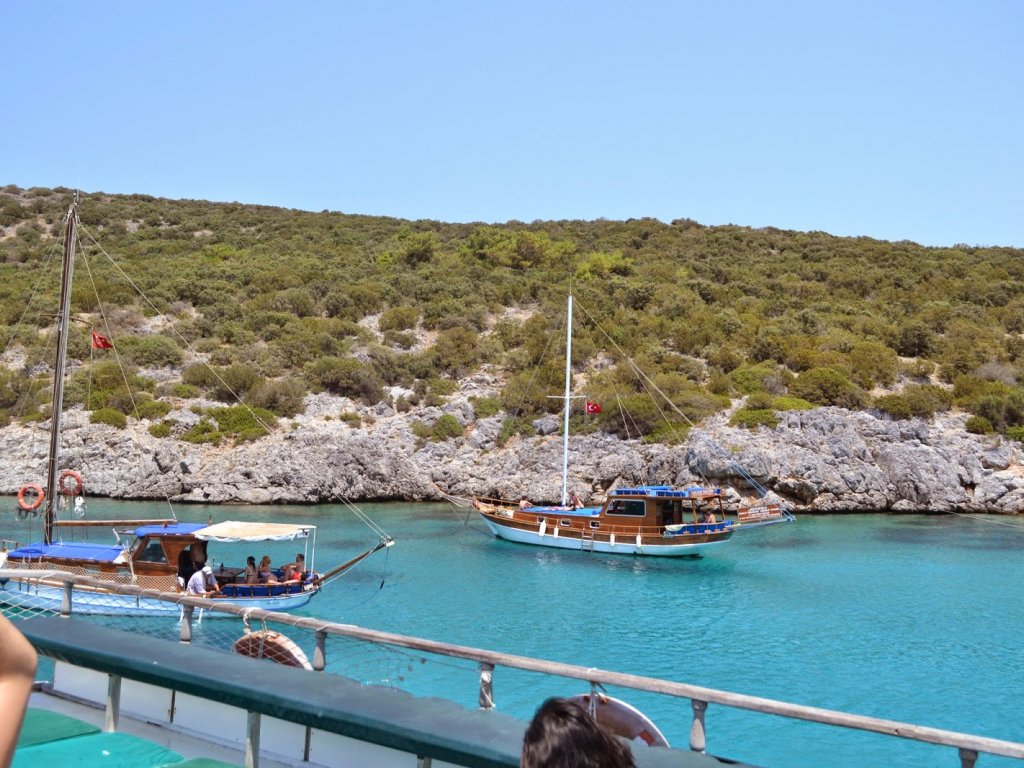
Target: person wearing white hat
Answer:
pixel 202 583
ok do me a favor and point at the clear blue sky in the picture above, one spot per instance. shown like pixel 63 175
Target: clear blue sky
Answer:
pixel 896 120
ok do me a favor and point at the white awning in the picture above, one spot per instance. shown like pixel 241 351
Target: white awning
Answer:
pixel 232 531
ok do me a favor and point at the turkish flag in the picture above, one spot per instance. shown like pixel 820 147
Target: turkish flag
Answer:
pixel 591 407
pixel 100 342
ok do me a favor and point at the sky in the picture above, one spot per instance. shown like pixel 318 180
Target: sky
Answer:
pixel 893 120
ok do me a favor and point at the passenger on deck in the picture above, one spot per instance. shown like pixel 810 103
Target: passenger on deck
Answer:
pixel 17 671
pixel 202 583
pixel 296 570
pixel 265 572
pixel 574 500
pixel 524 503
pixel 251 576
pixel 563 735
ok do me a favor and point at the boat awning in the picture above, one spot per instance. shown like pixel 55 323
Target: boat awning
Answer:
pixel 69 550
pixel 232 531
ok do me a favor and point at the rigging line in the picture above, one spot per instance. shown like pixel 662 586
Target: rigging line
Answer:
pixel 177 333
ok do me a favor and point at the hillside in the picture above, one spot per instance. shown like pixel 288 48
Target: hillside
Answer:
pixel 275 308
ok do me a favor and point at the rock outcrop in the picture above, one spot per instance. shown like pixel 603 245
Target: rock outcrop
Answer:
pixel 824 460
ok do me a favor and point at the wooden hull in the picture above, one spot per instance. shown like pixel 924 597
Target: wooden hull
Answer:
pixel 528 528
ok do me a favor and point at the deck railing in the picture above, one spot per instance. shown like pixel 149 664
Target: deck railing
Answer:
pixel 968 746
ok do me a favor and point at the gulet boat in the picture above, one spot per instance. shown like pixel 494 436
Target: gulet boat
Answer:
pixel 657 520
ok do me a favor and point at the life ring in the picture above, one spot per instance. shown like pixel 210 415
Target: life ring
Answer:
pixel 70 490
pixel 27 490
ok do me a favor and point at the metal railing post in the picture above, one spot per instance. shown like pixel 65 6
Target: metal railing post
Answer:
pixel 320 651
pixel 252 740
pixel 66 601
pixel 486 685
pixel 698 740
pixel 113 712
pixel 968 757
pixel 186 623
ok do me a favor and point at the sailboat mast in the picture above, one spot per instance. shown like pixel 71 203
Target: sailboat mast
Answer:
pixel 57 407
pixel 565 425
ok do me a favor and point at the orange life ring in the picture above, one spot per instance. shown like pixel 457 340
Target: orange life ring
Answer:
pixel 29 488
pixel 70 490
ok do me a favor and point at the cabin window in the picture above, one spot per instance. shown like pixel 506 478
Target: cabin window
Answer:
pixel 565 523
pixel 595 523
pixel 628 507
pixel 153 553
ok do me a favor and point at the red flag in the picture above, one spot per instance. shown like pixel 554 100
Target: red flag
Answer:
pixel 100 342
pixel 592 407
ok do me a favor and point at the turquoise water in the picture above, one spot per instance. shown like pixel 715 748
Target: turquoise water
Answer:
pixel 917 619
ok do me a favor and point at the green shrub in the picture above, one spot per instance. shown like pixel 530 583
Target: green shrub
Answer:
pixel 351 418
pixel 185 391
pixel 110 417
pixel 1015 433
pixel 285 397
pixel 153 351
pixel 512 427
pixel 421 429
pixel 753 418
pixel 485 407
pixel 161 429
pixel 243 423
pixel 204 431
pixel 759 401
pixel 925 400
pixel 827 386
pixel 787 403
pixel 446 428
pixel 152 409
pixel 979 425
pixel 894 406
pixel 347 377
pixel 398 319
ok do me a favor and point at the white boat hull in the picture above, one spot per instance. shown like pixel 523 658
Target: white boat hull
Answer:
pixel 18 593
pixel 619 547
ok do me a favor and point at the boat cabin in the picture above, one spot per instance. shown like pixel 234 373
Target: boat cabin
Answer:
pixel 663 506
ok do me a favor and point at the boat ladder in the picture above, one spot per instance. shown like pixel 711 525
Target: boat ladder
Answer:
pixel 587 540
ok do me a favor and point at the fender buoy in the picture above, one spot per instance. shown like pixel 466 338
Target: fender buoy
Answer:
pixel 72 489
pixel 27 491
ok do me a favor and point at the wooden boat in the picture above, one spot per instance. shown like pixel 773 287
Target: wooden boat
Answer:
pixel 155 554
pixel 646 520
pixel 622 719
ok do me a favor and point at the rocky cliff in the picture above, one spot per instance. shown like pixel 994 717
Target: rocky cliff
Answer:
pixel 824 460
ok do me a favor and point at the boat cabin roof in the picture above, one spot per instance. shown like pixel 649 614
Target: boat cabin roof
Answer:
pixel 229 531
pixel 667 492
pixel 71 550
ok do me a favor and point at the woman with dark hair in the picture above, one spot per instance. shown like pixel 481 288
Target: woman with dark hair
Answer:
pixel 563 735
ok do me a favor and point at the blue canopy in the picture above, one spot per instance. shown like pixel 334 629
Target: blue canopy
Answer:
pixel 71 550
pixel 174 529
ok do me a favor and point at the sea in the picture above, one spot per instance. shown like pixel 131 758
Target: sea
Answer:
pixel 914 618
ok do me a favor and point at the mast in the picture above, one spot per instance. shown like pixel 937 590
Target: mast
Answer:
pixel 57 407
pixel 565 425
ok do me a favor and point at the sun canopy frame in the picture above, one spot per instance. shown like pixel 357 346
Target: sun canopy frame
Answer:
pixel 232 531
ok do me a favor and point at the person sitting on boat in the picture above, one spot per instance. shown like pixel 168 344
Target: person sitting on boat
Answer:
pixel 524 503
pixel 251 576
pixel 202 583
pixel 574 500
pixel 295 571
pixel 265 572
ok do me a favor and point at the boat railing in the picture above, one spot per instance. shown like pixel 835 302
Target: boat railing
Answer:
pixel 486 663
